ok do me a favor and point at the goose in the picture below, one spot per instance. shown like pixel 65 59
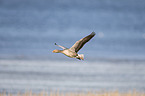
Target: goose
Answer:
pixel 72 52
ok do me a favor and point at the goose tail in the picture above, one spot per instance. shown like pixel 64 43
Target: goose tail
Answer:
pixel 81 56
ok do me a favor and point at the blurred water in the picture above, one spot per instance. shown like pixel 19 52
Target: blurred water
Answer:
pixel 31 27
pixel 114 58
pixel 46 75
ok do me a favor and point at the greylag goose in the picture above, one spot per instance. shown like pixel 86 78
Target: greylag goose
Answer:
pixel 72 52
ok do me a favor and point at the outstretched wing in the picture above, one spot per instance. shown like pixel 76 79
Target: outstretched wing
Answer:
pixel 79 44
pixel 61 46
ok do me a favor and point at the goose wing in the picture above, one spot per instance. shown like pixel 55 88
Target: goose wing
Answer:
pixel 61 46
pixel 79 44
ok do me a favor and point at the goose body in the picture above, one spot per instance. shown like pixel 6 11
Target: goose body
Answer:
pixel 69 53
pixel 72 52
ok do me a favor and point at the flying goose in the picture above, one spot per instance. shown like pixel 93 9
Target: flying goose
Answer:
pixel 72 52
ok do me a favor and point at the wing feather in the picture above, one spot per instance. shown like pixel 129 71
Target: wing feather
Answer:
pixel 61 46
pixel 79 44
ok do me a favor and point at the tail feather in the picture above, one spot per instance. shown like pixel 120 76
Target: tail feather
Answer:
pixel 81 56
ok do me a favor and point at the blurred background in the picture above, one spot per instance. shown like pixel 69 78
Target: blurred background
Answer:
pixel 29 29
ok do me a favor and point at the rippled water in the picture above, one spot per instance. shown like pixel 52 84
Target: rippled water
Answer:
pixel 44 75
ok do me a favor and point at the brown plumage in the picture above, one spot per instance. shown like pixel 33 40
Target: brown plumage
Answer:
pixel 79 44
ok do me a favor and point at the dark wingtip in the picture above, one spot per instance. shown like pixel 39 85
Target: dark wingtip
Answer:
pixel 55 44
pixel 93 33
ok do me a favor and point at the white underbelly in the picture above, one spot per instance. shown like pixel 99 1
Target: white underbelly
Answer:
pixel 69 53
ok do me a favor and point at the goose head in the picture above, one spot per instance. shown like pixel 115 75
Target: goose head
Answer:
pixel 56 51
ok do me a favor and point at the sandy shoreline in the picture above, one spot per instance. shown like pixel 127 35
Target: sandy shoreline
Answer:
pixel 89 93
